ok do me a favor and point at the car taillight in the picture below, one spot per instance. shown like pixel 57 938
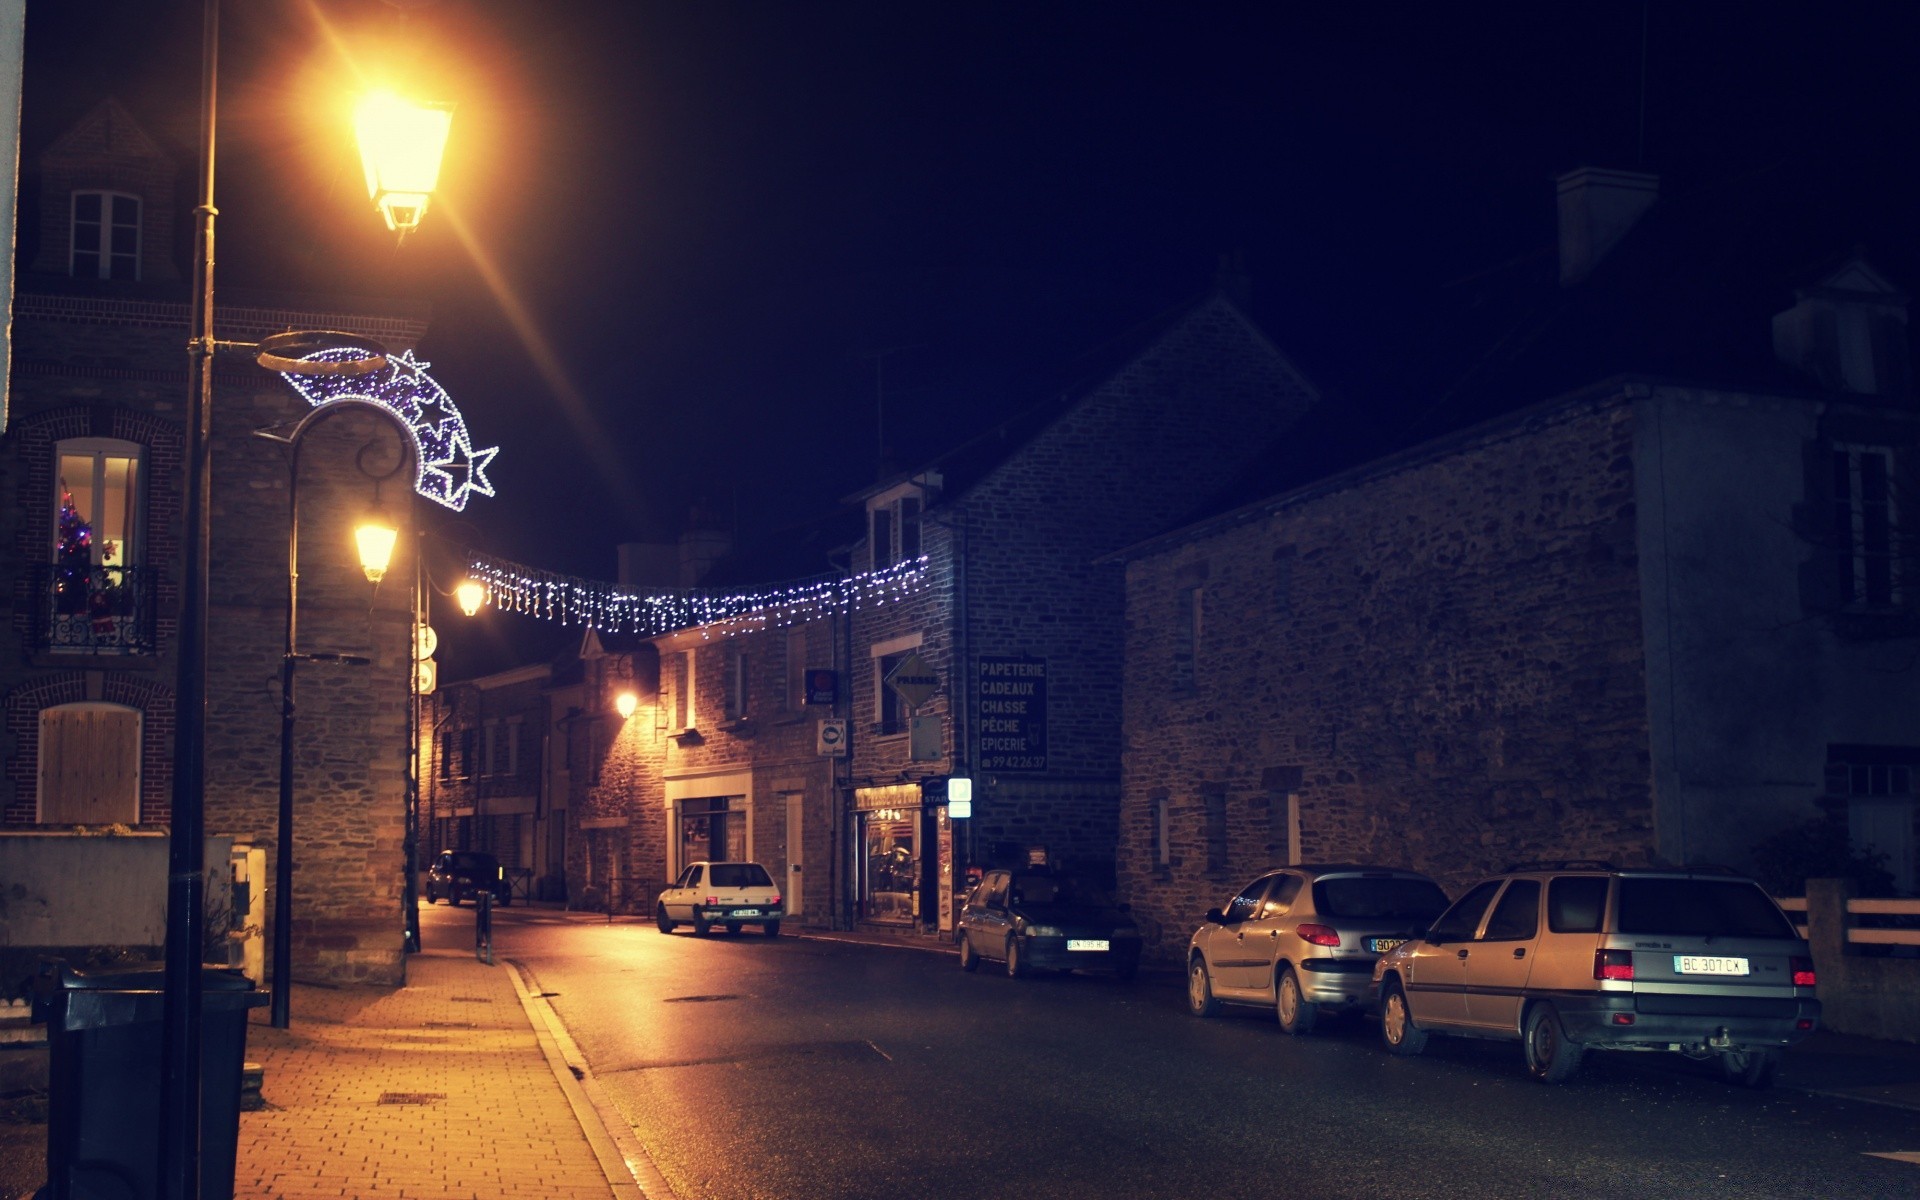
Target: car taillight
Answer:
pixel 1319 935
pixel 1803 973
pixel 1613 964
pixel 774 903
pixel 713 899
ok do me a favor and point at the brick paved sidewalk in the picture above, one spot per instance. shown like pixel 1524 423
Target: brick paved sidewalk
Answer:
pixel 441 1089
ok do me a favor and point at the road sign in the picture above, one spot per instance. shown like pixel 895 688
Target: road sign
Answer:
pixel 830 738
pixel 914 680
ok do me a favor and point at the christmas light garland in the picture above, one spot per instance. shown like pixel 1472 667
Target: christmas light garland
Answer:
pixel 570 600
pixel 449 468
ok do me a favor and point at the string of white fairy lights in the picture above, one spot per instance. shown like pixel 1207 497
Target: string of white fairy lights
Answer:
pixel 570 600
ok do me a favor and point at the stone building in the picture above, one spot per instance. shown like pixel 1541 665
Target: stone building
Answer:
pixel 1648 620
pixel 979 641
pixel 92 460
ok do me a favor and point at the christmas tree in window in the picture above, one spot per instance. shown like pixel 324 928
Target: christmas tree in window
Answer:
pixel 73 558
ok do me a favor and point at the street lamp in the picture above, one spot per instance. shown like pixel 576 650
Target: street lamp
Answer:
pixel 401 142
pixel 471 595
pixel 178 1169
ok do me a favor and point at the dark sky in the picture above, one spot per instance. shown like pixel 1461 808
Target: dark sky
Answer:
pixel 675 239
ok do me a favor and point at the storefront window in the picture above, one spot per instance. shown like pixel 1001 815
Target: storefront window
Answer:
pixel 892 865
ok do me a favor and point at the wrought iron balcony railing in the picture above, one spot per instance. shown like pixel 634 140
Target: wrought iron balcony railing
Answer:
pixel 94 610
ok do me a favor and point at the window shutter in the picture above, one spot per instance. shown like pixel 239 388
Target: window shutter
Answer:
pixel 89 765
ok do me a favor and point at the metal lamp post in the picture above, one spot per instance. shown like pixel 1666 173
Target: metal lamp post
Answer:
pixel 178 1168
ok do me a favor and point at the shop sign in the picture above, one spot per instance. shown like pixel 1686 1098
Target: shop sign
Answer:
pixel 914 680
pixel 823 686
pixel 830 738
pixel 1011 714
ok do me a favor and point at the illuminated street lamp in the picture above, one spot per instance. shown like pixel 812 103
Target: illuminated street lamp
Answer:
pixel 401 144
pixel 471 596
pixel 625 704
pixel 375 538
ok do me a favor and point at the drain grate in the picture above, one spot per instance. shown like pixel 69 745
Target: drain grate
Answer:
pixel 696 999
pixel 472 999
pixel 446 1024
pixel 412 1097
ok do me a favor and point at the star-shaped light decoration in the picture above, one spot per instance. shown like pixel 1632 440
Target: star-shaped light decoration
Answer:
pixel 449 468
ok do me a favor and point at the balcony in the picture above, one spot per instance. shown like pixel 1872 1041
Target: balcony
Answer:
pixel 102 610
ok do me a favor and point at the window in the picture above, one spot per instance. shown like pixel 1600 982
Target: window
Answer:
pixel 1281 898
pixel 446 754
pixel 1186 636
pixel 909 528
pixel 1215 806
pixel 89 765
pixel 1864 521
pixel 894 530
pixel 891 709
pixel 882 537
pixel 106 236
pixel 1247 903
pixel 466 753
pixel 1877 783
pixel 736 699
pixel 1576 903
pixel 1462 920
pixel 794 693
pixel 502 747
pixel 94 530
pixel 1517 917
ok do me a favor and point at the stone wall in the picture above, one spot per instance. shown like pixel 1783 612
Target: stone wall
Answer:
pixel 1440 661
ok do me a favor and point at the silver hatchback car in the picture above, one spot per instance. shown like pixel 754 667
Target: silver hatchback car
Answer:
pixel 1567 957
pixel 1304 939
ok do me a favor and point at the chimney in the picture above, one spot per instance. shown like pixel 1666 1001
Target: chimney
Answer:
pixel 1597 208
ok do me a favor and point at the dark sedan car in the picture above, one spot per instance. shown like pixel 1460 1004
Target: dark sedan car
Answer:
pixel 459 875
pixel 1043 920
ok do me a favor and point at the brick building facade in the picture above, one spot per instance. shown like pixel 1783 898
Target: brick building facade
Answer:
pixel 93 463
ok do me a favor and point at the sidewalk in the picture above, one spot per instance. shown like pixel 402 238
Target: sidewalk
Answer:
pixel 452 1086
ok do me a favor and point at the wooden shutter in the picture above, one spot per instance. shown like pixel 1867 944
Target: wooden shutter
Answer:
pixel 89 765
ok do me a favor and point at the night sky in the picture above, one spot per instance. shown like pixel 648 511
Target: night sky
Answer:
pixel 679 245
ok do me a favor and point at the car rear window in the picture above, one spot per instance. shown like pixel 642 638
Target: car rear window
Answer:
pixel 1700 908
pixel 475 862
pixel 1058 889
pixel 1383 898
pixel 739 875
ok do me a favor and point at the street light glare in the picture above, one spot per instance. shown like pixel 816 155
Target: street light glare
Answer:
pixel 375 539
pixel 626 702
pixel 471 595
pixel 401 144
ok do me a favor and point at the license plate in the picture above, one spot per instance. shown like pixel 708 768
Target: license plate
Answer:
pixel 1695 964
pixel 1086 943
pixel 1382 945
pixel 746 912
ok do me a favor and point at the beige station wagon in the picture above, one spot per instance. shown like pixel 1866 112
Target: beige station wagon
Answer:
pixel 1568 957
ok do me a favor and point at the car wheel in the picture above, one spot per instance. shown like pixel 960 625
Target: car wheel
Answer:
pixel 1297 1014
pixel 660 920
pixel 1201 1001
pixel 733 927
pixel 700 925
pixel 453 898
pixel 1397 1029
pixel 771 929
pixel 1753 1068
pixel 969 961
pixel 1551 1058
pixel 1016 960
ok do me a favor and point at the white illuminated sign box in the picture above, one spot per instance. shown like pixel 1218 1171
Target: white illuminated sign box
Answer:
pixel 959 798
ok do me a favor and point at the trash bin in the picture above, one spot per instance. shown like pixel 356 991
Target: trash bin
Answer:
pixel 104 1039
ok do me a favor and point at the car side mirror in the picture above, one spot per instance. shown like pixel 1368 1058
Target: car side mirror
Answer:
pixel 1216 917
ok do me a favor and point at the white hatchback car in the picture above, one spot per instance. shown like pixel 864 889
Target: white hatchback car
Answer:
pixel 730 894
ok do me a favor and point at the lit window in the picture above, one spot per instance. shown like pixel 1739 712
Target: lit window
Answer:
pixel 95 591
pixel 106 236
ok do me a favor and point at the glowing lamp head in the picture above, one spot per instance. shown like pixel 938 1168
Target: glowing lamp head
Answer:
pixel 471 596
pixel 375 538
pixel 625 703
pixel 401 144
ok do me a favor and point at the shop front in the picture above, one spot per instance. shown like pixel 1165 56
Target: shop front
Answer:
pixel 889 844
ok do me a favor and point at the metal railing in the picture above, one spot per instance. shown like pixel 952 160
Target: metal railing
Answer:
pixel 1895 922
pixel 94 609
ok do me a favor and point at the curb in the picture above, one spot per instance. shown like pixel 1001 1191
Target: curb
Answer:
pixel 630 1171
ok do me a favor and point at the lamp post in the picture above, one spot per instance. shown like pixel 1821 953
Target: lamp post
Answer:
pixel 178 1168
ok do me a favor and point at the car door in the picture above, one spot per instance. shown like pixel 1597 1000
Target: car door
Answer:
pixel 1231 962
pixel 680 900
pixel 1260 939
pixel 1435 973
pixel 1499 960
pixel 991 921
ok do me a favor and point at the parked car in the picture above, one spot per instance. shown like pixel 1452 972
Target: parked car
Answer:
pixel 1568 957
pixel 729 894
pixel 1041 919
pixel 1304 939
pixel 458 875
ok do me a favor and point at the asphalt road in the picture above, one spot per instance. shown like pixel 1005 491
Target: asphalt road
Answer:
pixel 795 1069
